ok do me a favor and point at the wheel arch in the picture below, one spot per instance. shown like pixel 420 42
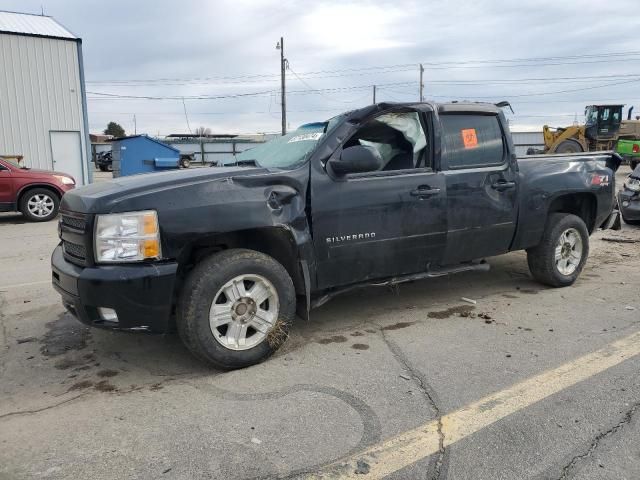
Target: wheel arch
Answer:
pixel 277 242
pixel 583 205
pixel 32 186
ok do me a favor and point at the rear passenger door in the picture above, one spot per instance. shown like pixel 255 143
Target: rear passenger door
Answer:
pixel 481 179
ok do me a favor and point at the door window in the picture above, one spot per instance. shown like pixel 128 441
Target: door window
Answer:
pixel 472 141
pixel 398 137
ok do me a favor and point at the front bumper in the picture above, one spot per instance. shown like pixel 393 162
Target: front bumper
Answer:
pixel 142 295
pixel 629 205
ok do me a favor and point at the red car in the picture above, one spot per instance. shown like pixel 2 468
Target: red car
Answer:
pixel 35 193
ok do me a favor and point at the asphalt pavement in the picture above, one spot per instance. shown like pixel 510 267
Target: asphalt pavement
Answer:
pixel 408 382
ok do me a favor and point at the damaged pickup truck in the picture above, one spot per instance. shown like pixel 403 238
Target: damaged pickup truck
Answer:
pixel 385 194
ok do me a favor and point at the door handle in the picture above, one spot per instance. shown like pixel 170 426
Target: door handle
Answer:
pixel 503 185
pixel 424 191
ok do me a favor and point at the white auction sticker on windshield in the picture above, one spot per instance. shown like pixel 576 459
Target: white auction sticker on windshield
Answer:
pixel 305 136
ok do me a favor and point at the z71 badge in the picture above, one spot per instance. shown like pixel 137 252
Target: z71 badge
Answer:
pixel 600 180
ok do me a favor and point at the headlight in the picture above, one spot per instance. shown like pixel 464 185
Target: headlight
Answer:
pixel 127 237
pixel 65 180
pixel 632 184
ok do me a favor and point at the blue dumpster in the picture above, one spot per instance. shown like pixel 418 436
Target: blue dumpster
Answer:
pixel 142 154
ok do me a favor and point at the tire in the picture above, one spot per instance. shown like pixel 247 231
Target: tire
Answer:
pixel 204 286
pixel 569 146
pixel 185 163
pixel 109 167
pixel 39 205
pixel 102 168
pixel 543 264
pixel 634 164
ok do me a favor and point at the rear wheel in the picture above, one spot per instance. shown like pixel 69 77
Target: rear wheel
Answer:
pixel 236 308
pixel 185 162
pixel 560 257
pixel 39 205
pixel 634 164
pixel 569 146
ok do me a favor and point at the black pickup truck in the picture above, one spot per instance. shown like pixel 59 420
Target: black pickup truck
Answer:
pixel 385 194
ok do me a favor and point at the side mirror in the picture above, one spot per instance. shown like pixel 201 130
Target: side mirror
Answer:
pixel 356 159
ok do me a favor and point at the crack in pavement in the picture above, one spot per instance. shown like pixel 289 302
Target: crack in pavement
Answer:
pixel 38 410
pixel 566 470
pixel 428 393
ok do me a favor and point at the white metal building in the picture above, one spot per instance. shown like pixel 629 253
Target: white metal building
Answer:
pixel 525 140
pixel 43 107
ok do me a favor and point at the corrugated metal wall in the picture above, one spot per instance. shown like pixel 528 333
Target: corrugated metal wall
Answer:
pixel 524 140
pixel 39 92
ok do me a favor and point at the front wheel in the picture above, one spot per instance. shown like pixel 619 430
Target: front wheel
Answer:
pixel 560 257
pixel 236 308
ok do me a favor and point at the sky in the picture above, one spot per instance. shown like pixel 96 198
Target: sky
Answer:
pixel 215 64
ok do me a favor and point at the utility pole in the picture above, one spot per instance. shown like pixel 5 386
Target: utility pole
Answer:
pixel 283 103
pixel 374 94
pixel 421 84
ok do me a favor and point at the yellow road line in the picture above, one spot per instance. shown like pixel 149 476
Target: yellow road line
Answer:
pixel 407 448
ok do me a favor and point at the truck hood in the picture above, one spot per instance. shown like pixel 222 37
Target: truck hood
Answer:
pixel 106 197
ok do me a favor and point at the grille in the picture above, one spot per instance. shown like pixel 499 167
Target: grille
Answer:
pixel 74 250
pixel 73 229
pixel 73 222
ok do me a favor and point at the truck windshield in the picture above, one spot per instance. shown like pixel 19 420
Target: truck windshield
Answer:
pixel 290 150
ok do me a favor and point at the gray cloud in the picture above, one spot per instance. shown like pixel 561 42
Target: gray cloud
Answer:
pixel 197 39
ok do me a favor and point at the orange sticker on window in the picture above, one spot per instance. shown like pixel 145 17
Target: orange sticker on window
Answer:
pixel 469 137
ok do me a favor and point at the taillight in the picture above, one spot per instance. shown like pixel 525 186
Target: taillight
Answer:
pixel 636 148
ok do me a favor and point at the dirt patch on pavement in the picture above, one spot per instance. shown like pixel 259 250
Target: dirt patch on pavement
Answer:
pixel 64 334
pixel 398 326
pixel 105 386
pixel 333 339
pixel 107 373
pixel 360 346
pixel 449 312
pixel 80 385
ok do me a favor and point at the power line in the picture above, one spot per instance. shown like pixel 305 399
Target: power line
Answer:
pixel 305 83
pixel 237 95
pixel 512 62
pixel 184 105
pixel 321 91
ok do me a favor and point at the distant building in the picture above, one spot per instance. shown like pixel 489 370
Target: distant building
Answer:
pixel 43 108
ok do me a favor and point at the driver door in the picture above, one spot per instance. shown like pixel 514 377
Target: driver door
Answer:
pixel 385 223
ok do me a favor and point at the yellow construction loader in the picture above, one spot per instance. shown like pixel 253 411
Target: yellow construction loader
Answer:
pixel 602 129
